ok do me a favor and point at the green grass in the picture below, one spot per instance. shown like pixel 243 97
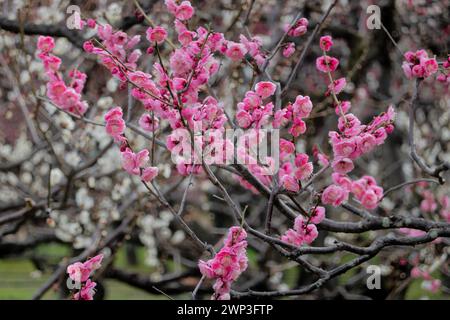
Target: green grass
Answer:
pixel 19 279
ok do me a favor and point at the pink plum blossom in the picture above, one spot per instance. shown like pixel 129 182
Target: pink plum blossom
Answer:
pixel 184 11
pixel 228 264
pixel 326 42
pixel 265 89
pixel 327 64
pixel 334 195
pixel 289 50
pixel 133 162
pixel 156 35
pixel 235 51
pixel 115 125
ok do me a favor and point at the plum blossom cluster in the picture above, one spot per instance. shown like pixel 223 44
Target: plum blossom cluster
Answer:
pixel 298 28
pixel 116 52
pixel 251 111
pixel 430 284
pixel 294 114
pixel 237 51
pixel 184 11
pixel 80 272
pixel 367 192
pixel 291 174
pixel 430 204
pixel 352 140
pixel 133 163
pixel 419 65
pixel 66 97
pixel 444 76
pixel 228 264
pixel 205 121
pixel 304 231
pixel 172 94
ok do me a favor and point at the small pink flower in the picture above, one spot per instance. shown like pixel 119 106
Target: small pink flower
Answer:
pixel 287 146
pixel 298 127
pixel 185 37
pixel 149 173
pixel 407 70
pixel 91 23
pixel 342 165
pixel 432 285
pixel 171 6
pixel 184 11
pixel 94 263
pixel 310 233
pixel 349 124
pixel 87 291
pixel 235 51
pixel 148 123
pixel 369 199
pixel 418 71
pixel 430 66
pixel 358 188
pixel 289 50
pixel 325 43
pixel 299 28
pixel 235 235
pixel 318 215
pixel 410 57
pixel 366 143
pixel 334 195
pixel 88 46
pixel 337 86
pixel 51 63
pixel 265 89
pixel 243 118
pixel 416 272
pixel 302 106
pixel 344 148
pixel 115 125
pixel 252 100
pixel 342 180
pixel 45 44
pixel 344 106
pixel 292 237
pixel 299 224
pixel 78 272
pixel 304 172
pixel 327 64
pixel 301 159
pixel 428 204
pixel 290 183
pixel 205 269
pixel 133 162
pixel 157 34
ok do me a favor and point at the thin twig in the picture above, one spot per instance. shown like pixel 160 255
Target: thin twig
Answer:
pixel 305 50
